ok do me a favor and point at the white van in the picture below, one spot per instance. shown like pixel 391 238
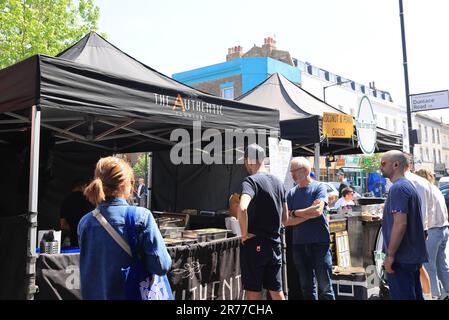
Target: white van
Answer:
pixel 443 181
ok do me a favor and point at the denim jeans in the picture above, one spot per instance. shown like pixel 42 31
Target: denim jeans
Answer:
pixel 314 264
pixel 437 266
pixel 405 283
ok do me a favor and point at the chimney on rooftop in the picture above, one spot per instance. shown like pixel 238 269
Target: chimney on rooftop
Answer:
pixel 234 53
pixel 269 44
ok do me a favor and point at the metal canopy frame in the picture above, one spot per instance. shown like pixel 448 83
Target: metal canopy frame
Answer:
pixel 67 135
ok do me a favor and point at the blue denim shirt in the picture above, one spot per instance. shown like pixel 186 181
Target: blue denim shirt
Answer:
pixel 101 258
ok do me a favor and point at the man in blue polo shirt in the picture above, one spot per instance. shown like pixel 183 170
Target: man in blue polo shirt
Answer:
pixel 402 231
pixel 261 210
pixel 311 239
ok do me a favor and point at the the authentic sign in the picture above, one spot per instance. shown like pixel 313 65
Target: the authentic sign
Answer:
pixel 337 125
pixel 429 101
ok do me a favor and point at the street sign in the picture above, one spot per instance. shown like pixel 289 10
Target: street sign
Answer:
pixel 429 101
pixel 337 125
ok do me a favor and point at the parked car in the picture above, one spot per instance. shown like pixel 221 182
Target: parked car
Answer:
pixel 444 181
pixel 445 191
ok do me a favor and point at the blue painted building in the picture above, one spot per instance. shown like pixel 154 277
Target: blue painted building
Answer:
pixel 241 72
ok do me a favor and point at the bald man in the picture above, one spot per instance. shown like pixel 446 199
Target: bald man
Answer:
pixel 402 230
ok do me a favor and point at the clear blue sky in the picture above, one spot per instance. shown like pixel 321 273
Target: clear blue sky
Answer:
pixel 358 39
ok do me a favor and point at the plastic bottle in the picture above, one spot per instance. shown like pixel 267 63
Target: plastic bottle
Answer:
pixel 49 244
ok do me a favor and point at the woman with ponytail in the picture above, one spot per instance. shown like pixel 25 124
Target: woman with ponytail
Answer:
pixel 101 257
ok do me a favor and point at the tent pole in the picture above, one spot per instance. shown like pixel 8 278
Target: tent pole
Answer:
pixel 150 178
pixel 146 179
pixel 32 202
pixel 317 161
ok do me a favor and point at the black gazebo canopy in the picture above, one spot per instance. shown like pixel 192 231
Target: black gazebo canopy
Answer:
pixel 93 96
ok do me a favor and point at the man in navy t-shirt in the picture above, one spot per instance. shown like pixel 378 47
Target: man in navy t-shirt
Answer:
pixel 311 239
pixel 261 211
pixel 402 231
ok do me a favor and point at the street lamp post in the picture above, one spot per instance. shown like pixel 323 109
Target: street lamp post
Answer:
pixel 407 92
pixel 334 84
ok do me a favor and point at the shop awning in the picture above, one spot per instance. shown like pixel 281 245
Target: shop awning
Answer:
pixel 301 118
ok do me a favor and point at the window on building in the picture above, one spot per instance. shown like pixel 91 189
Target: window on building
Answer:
pixel 309 69
pixel 421 133
pixel 421 154
pixel 322 74
pixel 387 124
pixel 433 135
pixel 227 90
pixel 434 156
pixel 438 136
pixel 439 156
pixel 395 125
pixel 315 71
pixel 346 84
pixel 426 138
pixel 427 154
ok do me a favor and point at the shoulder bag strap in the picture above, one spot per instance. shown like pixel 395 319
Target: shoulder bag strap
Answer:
pixel 130 225
pixel 114 234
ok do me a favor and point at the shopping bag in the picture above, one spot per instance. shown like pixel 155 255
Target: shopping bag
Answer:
pixel 139 285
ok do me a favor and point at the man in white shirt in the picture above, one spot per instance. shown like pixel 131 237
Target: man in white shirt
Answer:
pixel 438 236
pixel 424 189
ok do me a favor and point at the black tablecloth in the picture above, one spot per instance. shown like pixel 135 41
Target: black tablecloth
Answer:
pixel 209 270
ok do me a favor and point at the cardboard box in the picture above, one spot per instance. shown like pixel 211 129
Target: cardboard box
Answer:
pixel 350 283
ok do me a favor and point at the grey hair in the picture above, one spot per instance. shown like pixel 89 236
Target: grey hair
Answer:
pixel 301 162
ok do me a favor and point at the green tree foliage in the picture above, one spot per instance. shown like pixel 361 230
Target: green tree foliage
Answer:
pixel 370 163
pixel 139 167
pixel 28 27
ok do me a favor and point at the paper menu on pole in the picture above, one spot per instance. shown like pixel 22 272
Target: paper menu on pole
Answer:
pixel 280 156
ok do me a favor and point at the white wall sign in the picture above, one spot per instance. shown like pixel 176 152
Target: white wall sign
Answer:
pixel 429 101
pixel 366 126
pixel 280 155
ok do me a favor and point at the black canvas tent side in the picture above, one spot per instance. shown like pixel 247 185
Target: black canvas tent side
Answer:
pixel 93 99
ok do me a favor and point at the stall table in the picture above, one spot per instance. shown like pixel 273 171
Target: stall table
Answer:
pixel 202 271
